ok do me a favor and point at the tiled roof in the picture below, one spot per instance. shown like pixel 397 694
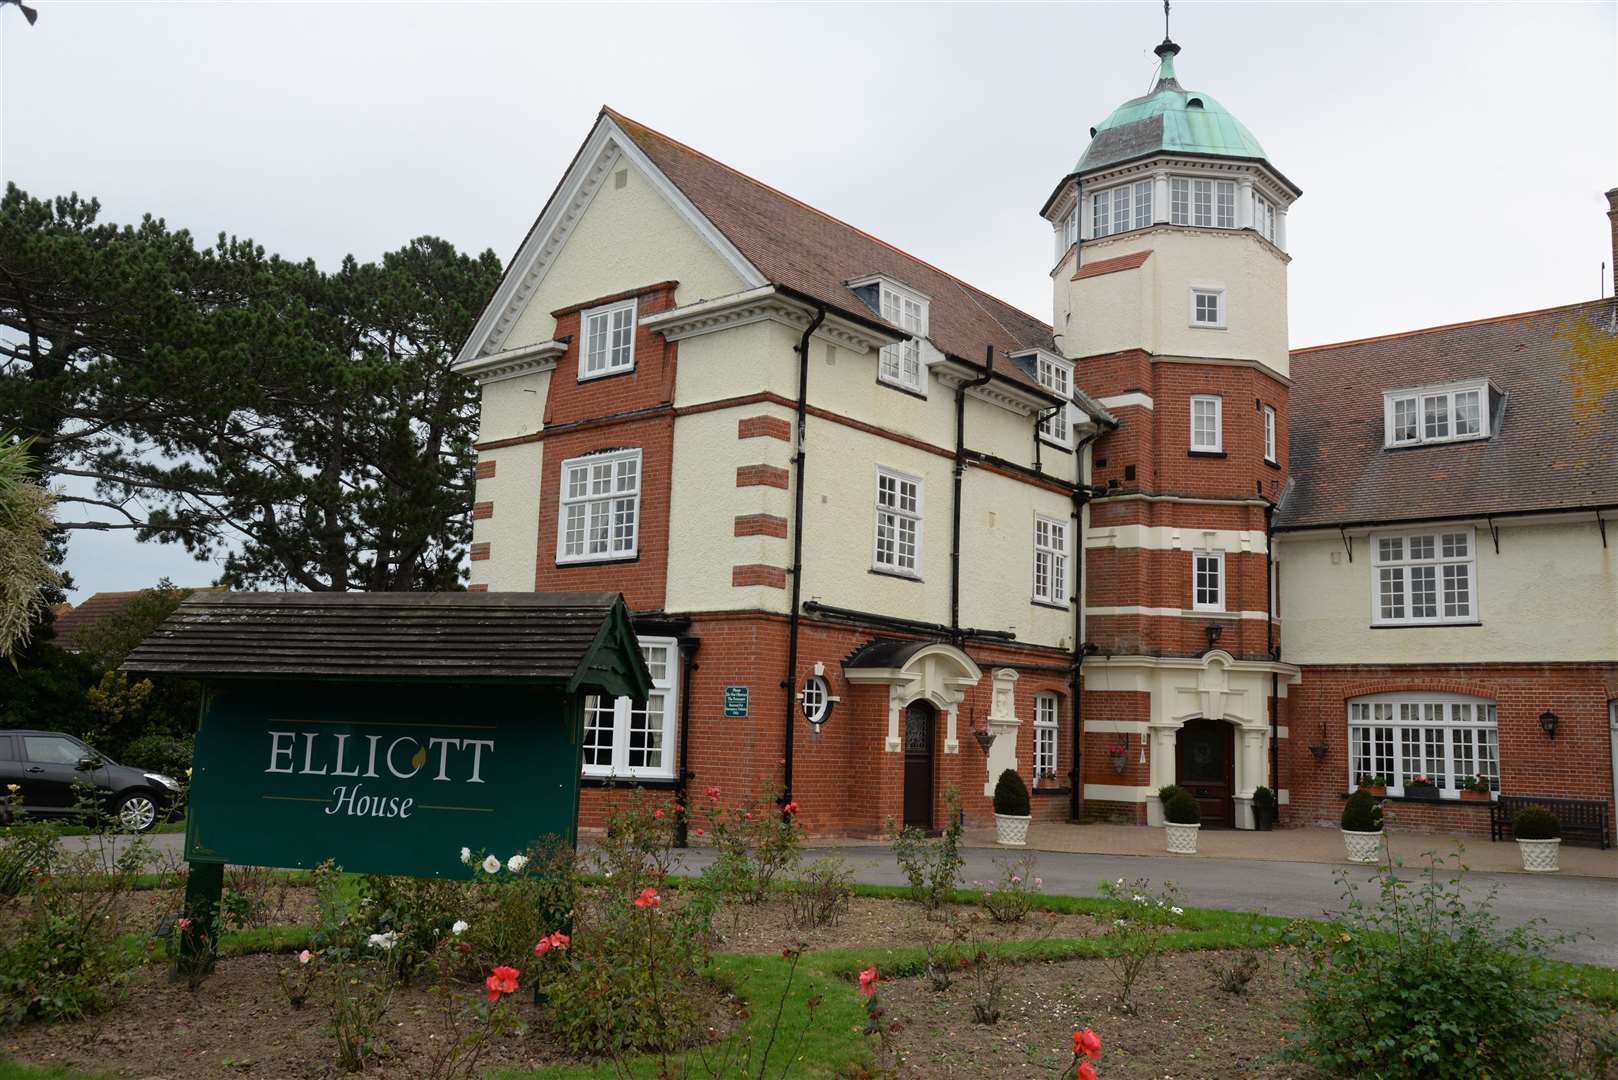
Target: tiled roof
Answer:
pixel 1556 447
pixel 798 247
pixel 1112 266
pixel 74 620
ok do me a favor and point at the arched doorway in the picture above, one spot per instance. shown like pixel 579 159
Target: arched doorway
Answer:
pixel 920 724
pixel 1205 765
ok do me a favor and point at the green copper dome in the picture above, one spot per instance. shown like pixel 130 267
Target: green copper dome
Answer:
pixel 1168 120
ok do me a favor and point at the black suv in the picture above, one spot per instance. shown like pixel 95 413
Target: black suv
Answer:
pixel 45 765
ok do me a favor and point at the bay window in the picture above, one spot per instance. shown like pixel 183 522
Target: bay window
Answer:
pixel 1423 578
pixel 1445 739
pixel 635 740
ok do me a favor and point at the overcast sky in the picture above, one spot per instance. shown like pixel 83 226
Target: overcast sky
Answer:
pixel 1452 156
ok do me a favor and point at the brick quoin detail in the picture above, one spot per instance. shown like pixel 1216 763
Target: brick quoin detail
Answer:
pixel 477 588
pixel 758 574
pixel 481 510
pixel 485 470
pixel 771 427
pixel 761 476
pixel 761 525
pixel 480 551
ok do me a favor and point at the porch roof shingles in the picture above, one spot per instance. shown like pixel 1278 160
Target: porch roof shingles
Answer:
pixel 1556 447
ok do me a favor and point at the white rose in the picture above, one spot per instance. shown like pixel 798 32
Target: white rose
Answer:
pixel 466 856
pixel 383 941
pixel 460 927
pixel 1177 911
pixel 491 865
pixel 516 863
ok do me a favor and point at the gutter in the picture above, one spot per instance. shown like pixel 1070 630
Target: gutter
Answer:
pixel 955 508
pixel 1403 523
pixel 794 617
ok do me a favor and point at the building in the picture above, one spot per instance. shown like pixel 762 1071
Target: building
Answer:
pixel 884 535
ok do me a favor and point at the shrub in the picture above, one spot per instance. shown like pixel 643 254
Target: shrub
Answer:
pixel 931 866
pixel 1263 797
pixel 1011 897
pixel 1181 809
pixel 1135 937
pixel 159 753
pixel 1475 783
pixel 756 842
pixel 1011 795
pixel 508 911
pixel 820 896
pixel 406 918
pixel 1535 823
pixel 1421 982
pixel 1167 792
pixel 1362 813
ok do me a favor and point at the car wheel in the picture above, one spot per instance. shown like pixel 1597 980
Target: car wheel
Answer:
pixel 137 812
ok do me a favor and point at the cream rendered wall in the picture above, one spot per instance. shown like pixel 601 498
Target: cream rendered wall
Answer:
pixel 1150 308
pixel 1550 595
pixel 511 408
pixel 629 237
pixel 997 558
pixel 754 358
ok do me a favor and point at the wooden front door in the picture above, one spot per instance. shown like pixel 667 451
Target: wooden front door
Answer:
pixel 919 724
pixel 1205 765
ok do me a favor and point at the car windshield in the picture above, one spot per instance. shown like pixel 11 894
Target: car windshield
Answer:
pixel 54 750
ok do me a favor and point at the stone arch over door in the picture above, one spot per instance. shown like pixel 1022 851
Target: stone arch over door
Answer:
pixel 933 671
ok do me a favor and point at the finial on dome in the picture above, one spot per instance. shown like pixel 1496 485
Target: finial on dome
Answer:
pixel 1167 51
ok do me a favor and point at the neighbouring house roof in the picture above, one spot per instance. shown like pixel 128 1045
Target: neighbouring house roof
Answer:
pixel 572 639
pixel 72 621
pixel 1555 447
pixel 810 252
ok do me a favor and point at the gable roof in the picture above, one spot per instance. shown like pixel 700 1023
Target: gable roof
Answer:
pixel 72 621
pixel 1556 446
pixel 772 239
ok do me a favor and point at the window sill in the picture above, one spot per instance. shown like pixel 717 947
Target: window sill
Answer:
pixel 1441 800
pixel 630 370
pixel 1206 326
pixel 1423 625
pixel 1206 453
pixel 1052 604
pixel 902 388
pixel 604 560
pixel 1064 447
pixel 661 782
pixel 1039 791
pixel 900 574
pixel 1276 465
pixel 1210 613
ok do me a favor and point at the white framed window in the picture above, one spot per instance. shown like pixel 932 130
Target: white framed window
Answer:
pixel 1269 434
pixel 1207 204
pixel 1208 308
pixel 1050 560
pixel 1423 578
pixel 623 738
pixel 1046 710
pixel 898 523
pixel 900 364
pixel 1121 208
pixel 609 340
pixel 1208 581
pixel 1207 423
pixel 1070 231
pixel 1264 217
pixel 1056 376
pixel 815 699
pixel 600 507
pixel 1442 738
pixel 1436 414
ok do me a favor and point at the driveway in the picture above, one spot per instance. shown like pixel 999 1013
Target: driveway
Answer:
pixel 1586 909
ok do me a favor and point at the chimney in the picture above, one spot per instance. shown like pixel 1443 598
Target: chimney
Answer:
pixel 1612 216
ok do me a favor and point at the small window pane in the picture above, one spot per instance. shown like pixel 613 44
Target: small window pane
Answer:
pixel 1467 417
pixel 1227 204
pixel 1435 413
pixel 1143 203
pixel 1180 201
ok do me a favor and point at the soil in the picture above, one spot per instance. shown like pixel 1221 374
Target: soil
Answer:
pixel 882 924
pixel 1185 1027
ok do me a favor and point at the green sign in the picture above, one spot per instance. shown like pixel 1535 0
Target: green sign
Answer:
pixel 385 778
pixel 735 701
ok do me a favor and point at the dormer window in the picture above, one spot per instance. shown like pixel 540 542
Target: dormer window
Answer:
pixel 899 364
pixel 1056 375
pixel 1436 414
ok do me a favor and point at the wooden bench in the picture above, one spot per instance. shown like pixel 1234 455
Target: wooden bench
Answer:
pixel 1582 818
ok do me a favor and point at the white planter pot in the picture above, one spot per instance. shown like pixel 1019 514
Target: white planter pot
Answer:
pixel 1012 829
pixel 1182 838
pixel 1363 847
pixel 1539 856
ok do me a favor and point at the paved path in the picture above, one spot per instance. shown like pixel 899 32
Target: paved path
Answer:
pixel 1584 907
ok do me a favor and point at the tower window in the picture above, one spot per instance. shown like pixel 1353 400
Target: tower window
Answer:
pixel 1207 204
pixel 1206 424
pixel 1208 308
pixel 1269 434
pixel 1208 581
pixel 1119 209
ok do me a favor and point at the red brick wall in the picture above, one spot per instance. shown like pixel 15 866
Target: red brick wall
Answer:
pixel 1577 764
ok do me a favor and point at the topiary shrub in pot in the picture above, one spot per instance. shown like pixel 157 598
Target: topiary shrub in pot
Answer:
pixel 1181 822
pixel 1011 814
pixel 1362 827
pixel 1263 808
pixel 1539 839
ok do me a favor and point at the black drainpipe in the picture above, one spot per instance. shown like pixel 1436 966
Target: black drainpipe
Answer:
pixel 688 666
pixel 1274 652
pixel 955 522
pixel 794 618
pixel 1081 496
